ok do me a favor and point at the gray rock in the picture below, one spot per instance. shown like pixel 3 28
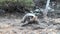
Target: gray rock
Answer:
pixel 58 32
pixel 43 33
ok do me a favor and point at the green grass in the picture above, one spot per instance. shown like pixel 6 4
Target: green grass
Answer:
pixel 27 3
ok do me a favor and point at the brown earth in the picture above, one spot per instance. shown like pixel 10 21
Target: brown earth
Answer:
pixel 12 26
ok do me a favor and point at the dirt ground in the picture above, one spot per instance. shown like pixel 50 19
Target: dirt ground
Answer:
pixel 12 26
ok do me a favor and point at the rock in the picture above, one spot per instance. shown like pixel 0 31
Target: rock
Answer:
pixel 43 33
pixel 43 25
pixel 58 32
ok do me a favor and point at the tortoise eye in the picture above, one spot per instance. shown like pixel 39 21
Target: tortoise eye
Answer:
pixel 31 16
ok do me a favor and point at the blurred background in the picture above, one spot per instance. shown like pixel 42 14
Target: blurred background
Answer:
pixel 25 6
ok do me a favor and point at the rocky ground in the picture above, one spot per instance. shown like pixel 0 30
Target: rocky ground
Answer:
pixel 13 26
